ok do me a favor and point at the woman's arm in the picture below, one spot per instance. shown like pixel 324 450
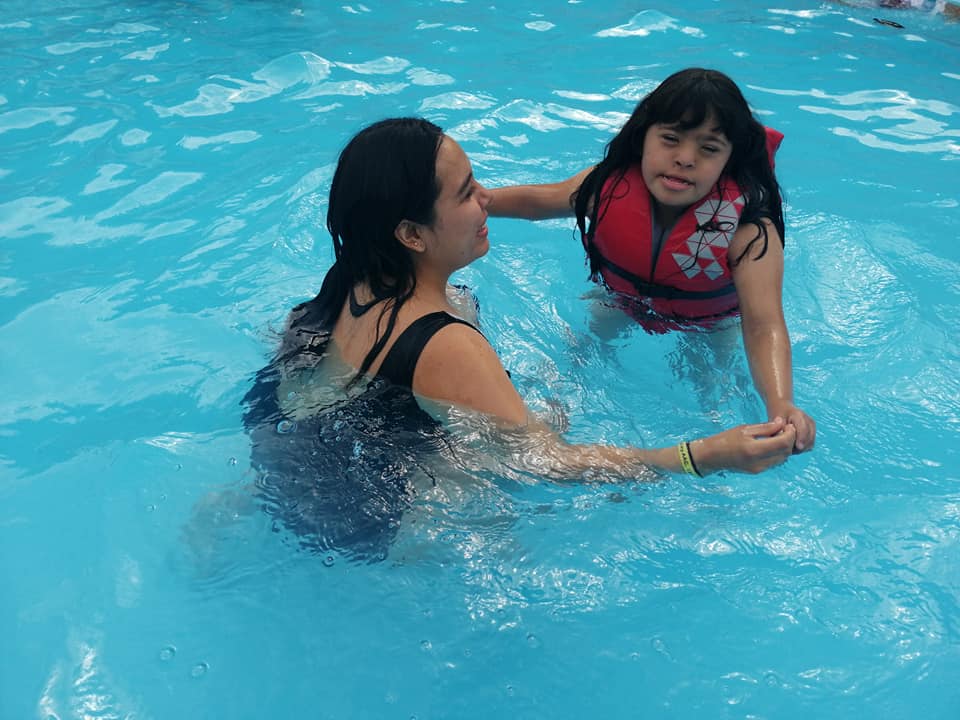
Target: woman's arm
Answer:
pixel 536 202
pixel 458 366
pixel 746 448
pixel 759 283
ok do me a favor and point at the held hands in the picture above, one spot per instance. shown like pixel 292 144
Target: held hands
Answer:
pixel 804 424
pixel 746 448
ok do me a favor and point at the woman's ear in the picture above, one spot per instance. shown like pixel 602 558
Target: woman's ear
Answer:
pixel 408 233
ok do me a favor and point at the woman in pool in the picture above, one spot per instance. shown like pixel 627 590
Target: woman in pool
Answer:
pixel 683 218
pixel 366 367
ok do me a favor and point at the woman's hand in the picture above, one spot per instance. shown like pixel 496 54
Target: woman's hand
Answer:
pixel 746 448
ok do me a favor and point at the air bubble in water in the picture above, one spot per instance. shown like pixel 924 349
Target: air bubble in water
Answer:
pixel 285 426
pixel 199 670
pixel 168 652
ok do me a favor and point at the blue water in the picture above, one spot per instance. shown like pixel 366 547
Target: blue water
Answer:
pixel 164 169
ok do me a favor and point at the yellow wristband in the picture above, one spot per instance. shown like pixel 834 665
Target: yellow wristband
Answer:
pixel 686 460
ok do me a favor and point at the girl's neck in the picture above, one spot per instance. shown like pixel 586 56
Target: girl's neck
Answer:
pixel 666 216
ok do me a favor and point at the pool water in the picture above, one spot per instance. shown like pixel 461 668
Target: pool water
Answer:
pixel 164 168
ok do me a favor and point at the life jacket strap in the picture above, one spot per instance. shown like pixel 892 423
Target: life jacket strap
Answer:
pixel 665 292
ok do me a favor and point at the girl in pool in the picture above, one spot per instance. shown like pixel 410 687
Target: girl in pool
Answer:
pixel 350 403
pixel 682 219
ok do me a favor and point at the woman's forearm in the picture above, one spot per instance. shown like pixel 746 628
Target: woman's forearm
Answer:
pixel 746 448
pixel 536 202
pixel 529 202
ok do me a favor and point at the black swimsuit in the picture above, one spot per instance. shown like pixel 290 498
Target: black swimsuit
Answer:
pixel 340 479
pixel 401 361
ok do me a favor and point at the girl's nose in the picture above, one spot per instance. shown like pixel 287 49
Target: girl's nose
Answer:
pixel 685 155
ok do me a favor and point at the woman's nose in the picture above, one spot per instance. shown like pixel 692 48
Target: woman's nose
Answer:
pixel 484 195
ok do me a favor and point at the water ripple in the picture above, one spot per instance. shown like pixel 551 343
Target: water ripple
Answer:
pixel 150 193
pixel 89 132
pixel 456 101
pixel 28 117
pixel 380 66
pixel 909 114
pixel 646 22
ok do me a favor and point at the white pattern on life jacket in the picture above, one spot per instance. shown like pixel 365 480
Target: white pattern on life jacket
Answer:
pixel 726 214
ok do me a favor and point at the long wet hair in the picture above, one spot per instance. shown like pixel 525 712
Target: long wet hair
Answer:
pixel 686 99
pixel 386 174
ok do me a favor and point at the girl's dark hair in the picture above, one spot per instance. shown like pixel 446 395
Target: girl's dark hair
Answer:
pixel 686 99
pixel 386 174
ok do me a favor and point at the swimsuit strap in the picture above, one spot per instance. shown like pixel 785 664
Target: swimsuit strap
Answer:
pixel 401 361
pixel 357 308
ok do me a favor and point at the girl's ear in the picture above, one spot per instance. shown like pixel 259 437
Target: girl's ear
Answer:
pixel 408 233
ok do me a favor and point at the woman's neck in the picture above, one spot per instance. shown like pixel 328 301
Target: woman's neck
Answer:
pixel 432 286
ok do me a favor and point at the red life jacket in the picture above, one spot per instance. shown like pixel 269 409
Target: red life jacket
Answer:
pixel 689 278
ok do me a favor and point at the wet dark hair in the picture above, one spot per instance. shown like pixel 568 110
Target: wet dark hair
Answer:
pixel 386 174
pixel 685 100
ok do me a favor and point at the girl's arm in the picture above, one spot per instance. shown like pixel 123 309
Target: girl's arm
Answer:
pixel 759 283
pixel 536 202
pixel 458 366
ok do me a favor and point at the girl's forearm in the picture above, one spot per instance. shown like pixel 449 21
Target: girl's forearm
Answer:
pixel 771 363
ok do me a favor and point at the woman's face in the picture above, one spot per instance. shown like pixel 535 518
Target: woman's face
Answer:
pixel 680 167
pixel 458 234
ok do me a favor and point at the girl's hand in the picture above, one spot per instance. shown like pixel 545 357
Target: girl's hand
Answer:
pixel 746 448
pixel 805 425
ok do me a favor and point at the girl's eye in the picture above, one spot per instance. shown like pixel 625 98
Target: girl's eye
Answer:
pixel 669 138
pixel 710 149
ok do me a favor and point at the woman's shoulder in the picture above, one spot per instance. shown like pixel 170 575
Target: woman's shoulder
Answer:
pixel 458 365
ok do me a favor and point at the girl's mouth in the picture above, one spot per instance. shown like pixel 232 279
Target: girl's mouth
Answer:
pixel 675 183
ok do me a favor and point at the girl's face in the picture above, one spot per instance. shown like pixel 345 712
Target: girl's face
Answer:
pixel 680 167
pixel 458 234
